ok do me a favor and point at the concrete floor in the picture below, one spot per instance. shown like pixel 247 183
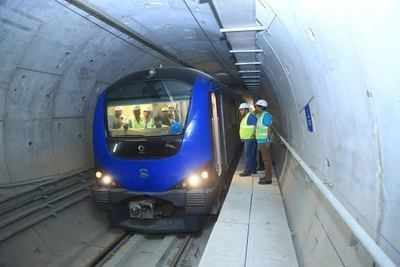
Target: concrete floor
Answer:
pixel 252 229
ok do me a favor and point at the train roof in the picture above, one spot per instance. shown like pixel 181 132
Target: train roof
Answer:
pixel 188 75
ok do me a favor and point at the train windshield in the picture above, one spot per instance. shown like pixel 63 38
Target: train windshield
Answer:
pixel 148 108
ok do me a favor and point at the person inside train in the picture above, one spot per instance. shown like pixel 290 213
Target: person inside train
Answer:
pixel 116 121
pixel 247 135
pixel 263 136
pixel 165 117
pixel 176 126
pixel 173 112
pixel 137 122
pixel 148 121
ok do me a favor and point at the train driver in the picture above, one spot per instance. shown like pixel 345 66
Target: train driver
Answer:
pixel 173 112
pixel 165 117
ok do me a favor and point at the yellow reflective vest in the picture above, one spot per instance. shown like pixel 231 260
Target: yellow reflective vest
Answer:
pixel 136 124
pixel 246 131
pixel 261 129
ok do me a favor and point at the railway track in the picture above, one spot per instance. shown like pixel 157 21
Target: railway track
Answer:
pixel 41 201
pixel 143 250
pixel 155 250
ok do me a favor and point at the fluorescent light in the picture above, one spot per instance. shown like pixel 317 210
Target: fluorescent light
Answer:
pixel 249 71
pixel 250 77
pixel 246 51
pixel 248 63
pixel 244 29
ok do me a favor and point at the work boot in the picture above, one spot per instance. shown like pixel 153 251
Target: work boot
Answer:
pixel 245 173
pixel 260 168
pixel 265 180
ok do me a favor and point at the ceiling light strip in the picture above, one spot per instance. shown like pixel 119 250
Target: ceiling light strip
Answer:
pixel 249 71
pixel 246 51
pixel 248 63
pixel 244 29
pixel 250 77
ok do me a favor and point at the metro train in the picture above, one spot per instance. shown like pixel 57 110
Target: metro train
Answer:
pixel 164 141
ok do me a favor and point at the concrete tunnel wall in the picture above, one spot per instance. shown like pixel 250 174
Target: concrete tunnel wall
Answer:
pixel 54 63
pixel 339 57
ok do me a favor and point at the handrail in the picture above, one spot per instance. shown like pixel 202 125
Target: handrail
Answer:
pixel 365 239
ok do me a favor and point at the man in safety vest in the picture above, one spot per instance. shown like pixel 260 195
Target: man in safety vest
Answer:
pixel 148 121
pixel 264 121
pixel 247 135
pixel 137 122
pixel 116 121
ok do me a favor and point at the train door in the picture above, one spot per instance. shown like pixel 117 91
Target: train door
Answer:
pixel 223 126
pixel 218 141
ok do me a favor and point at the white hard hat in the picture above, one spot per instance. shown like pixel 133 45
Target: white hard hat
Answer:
pixel 244 105
pixel 118 108
pixel 136 107
pixel 262 103
pixel 147 108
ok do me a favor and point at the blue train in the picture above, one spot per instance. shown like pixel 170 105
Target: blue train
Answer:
pixel 163 142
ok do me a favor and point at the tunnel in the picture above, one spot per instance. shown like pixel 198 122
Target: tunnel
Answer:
pixel 328 69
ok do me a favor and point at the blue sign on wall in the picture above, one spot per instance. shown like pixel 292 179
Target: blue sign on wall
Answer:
pixel 309 118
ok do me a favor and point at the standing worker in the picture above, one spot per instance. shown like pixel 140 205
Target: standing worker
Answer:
pixel 247 135
pixel 264 121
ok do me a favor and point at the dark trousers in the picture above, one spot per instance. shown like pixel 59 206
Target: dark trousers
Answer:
pixel 260 164
pixel 267 160
pixel 250 152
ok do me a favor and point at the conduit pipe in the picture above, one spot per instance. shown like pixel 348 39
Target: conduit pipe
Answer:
pixel 365 239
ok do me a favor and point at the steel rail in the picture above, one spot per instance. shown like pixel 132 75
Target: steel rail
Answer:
pixel 110 250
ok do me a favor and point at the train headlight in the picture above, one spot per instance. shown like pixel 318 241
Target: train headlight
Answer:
pixel 194 180
pixel 107 180
pixel 197 179
pixel 99 174
pixel 204 174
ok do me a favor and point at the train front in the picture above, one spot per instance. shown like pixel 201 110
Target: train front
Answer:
pixel 153 151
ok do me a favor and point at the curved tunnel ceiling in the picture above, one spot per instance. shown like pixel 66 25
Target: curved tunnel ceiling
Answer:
pixel 339 58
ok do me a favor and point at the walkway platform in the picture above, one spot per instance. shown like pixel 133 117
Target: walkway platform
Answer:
pixel 252 228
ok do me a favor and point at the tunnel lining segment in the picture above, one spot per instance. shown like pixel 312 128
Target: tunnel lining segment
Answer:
pixel 116 24
pixel 365 239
